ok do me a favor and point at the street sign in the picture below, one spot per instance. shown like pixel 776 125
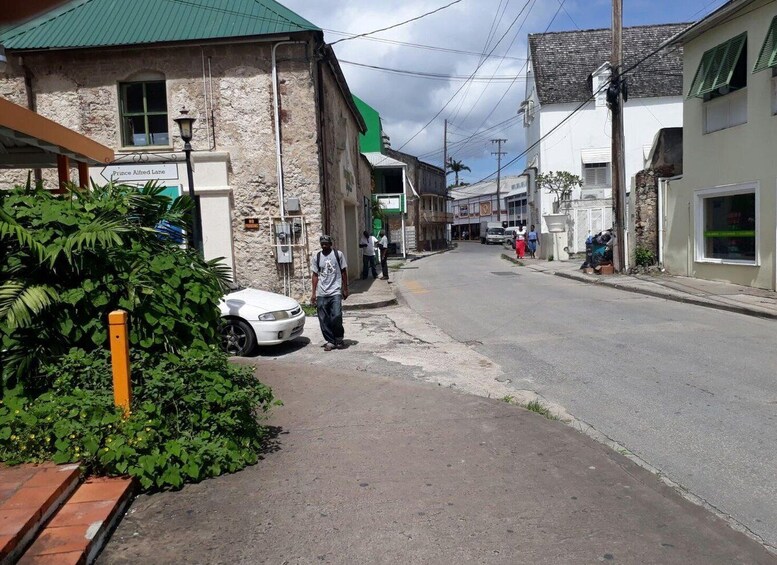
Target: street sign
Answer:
pixel 391 203
pixel 140 172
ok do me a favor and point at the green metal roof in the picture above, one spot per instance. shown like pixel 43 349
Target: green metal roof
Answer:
pixel 100 23
pixel 370 141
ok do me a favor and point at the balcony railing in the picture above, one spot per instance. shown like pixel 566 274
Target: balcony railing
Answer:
pixel 435 217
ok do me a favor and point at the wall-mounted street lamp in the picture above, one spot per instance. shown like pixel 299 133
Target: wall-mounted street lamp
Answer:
pixel 185 123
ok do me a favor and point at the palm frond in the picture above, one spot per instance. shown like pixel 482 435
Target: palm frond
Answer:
pixel 221 271
pixel 101 231
pixel 10 229
pixel 20 303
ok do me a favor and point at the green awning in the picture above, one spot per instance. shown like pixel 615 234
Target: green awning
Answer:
pixel 717 66
pixel 768 56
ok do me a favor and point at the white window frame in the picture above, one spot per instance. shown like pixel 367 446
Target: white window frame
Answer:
pixel 607 174
pixel 725 190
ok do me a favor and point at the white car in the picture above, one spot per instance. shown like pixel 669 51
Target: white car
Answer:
pixel 252 317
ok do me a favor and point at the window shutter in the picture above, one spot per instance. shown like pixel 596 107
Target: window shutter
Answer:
pixel 717 66
pixel 768 55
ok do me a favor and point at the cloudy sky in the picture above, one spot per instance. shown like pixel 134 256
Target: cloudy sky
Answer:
pixel 449 44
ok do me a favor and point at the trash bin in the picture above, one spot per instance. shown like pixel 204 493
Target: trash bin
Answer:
pixel 597 253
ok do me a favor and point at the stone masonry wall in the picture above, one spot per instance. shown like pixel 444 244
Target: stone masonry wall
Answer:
pixel 341 149
pixel 646 211
pixel 80 90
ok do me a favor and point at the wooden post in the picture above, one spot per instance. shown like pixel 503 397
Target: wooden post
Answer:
pixel 83 175
pixel 63 170
pixel 618 162
pixel 122 393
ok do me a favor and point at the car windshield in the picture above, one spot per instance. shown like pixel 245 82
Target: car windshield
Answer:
pixel 496 231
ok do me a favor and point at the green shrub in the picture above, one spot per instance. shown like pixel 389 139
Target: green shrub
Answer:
pixel 644 257
pixel 193 416
pixel 69 260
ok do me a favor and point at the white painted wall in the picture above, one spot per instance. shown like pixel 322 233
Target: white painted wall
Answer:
pixel 590 128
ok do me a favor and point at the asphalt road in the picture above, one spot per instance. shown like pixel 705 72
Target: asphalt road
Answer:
pixel 691 391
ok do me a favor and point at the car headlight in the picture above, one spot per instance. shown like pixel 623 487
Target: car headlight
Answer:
pixel 272 316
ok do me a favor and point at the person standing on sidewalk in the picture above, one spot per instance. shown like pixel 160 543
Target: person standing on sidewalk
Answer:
pixel 383 246
pixel 533 239
pixel 520 242
pixel 367 243
pixel 330 288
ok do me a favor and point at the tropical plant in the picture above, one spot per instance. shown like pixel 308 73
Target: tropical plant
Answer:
pixel 456 167
pixel 194 416
pixel 560 184
pixel 70 260
pixel 644 257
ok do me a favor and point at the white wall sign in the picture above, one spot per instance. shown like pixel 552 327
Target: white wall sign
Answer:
pixel 140 171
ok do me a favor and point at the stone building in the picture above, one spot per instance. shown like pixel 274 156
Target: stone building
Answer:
pixel 276 143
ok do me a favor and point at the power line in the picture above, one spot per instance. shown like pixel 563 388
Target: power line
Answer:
pixel 423 74
pixel 518 31
pixel 492 30
pixel 397 25
pixel 462 86
pixel 416 45
pixel 522 68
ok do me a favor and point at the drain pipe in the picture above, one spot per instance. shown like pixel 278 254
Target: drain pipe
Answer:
pixel 276 111
pixel 279 152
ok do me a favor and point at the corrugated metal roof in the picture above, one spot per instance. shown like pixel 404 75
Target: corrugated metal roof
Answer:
pixel 381 161
pixel 100 23
pixel 483 188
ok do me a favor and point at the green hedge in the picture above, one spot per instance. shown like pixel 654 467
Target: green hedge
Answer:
pixel 194 416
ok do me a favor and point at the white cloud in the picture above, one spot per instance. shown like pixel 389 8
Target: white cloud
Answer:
pixel 406 104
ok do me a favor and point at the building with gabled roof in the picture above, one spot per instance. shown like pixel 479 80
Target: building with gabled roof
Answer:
pixel 567 121
pixel 276 142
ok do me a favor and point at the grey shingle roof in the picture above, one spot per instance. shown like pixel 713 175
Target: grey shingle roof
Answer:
pixel 562 62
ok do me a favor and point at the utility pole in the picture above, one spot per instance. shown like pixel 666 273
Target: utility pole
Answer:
pixel 615 98
pixel 445 151
pixel 498 154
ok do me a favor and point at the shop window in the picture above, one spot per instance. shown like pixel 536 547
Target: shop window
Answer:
pixel 144 113
pixel 727 225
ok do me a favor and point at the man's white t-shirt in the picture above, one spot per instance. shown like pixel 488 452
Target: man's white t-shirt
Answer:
pixel 330 277
pixel 370 242
pixel 384 243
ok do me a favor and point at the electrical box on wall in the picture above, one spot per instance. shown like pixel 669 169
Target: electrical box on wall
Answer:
pixel 283 239
pixel 292 205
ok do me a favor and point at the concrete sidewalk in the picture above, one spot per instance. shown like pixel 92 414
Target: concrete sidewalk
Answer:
pixel 710 294
pixel 369 469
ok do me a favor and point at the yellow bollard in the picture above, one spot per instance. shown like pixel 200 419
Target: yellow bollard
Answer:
pixel 117 326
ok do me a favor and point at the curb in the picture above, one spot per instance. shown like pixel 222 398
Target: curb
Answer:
pixel 667 296
pixel 419 257
pixel 370 305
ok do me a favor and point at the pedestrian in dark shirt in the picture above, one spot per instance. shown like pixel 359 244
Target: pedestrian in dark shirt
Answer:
pixel 533 241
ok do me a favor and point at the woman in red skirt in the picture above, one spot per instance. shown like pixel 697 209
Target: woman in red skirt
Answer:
pixel 520 242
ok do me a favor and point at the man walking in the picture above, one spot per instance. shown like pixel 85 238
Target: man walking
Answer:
pixel 330 288
pixel 367 243
pixel 383 246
